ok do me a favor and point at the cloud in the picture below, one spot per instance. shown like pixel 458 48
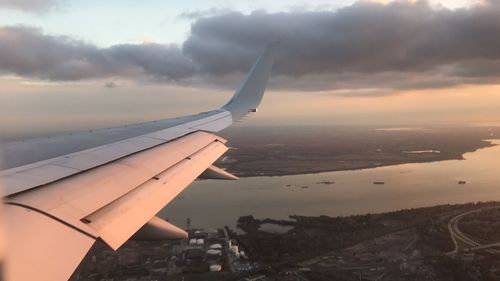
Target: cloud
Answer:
pixel 28 52
pixel 367 45
pixel 409 40
pixel 110 85
pixel 36 6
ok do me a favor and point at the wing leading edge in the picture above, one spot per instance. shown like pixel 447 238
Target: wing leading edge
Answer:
pixel 109 185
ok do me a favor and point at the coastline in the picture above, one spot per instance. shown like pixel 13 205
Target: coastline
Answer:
pixel 249 173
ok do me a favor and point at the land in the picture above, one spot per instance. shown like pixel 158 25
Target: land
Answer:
pixel 274 151
pixel 446 242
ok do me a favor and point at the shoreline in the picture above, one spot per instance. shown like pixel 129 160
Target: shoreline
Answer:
pixel 488 143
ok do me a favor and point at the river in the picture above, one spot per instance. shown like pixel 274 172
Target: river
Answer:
pixel 215 203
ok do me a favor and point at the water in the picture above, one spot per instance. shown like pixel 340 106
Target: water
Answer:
pixel 212 203
pixel 275 228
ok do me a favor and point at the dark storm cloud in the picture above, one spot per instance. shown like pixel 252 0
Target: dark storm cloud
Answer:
pixel 401 45
pixel 365 38
pixel 36 6
pixel 30 53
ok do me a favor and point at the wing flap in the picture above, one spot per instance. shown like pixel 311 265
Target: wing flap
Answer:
pixel 116 222
pixel 73 198
pixel 32 236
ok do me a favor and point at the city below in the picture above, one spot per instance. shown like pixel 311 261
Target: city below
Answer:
pixel 446 242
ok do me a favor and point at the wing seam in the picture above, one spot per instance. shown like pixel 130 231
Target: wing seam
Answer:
pixel 52 217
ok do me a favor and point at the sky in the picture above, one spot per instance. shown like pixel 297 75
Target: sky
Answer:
pixel 69 65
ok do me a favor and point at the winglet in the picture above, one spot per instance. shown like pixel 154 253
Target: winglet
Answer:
pixel 248 96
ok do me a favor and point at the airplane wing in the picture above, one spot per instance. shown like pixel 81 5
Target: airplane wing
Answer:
pixel 62 193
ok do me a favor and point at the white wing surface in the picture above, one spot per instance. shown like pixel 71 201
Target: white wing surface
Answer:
pixel 64 192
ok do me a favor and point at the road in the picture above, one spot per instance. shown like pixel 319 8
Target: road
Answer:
pixel 462 241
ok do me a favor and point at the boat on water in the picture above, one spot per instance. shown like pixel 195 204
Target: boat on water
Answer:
pixel 378 182
pixel 326 182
